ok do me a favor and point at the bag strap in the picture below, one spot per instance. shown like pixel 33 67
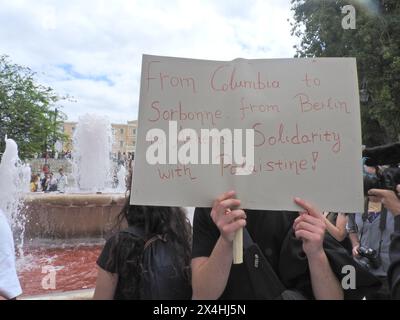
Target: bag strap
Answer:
pixel 247 240
pixel 153 239
pixel 263 278
pixel 383 218
pixel 140 233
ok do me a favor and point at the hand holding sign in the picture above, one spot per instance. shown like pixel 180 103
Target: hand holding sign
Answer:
pixel 226 216
pixel 230 222
pixel 310 227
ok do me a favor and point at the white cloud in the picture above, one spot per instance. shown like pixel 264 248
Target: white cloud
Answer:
pixel 102 42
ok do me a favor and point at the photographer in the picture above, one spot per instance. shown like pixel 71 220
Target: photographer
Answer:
pixel 369 234
pixel 389 199
pixel 382 189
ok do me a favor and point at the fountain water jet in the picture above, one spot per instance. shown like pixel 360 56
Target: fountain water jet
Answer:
pixel 91 154
pixel 121 179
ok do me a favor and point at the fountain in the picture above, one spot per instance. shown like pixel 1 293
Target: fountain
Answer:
pixel 66 231
pixel 14 182
pixel 86 210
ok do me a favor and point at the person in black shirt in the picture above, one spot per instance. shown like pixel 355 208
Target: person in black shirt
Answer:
pixel 294 244
pixel 121 265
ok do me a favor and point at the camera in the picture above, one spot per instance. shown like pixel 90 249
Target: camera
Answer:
pixel 370 259
pixel 389 178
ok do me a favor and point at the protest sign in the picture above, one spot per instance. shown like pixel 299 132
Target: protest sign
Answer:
pixel 289 127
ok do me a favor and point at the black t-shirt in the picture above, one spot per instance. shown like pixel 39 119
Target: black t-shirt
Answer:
pixel 272 231
pixel 121 255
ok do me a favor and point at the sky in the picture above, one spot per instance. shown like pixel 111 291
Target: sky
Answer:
pixel 91 50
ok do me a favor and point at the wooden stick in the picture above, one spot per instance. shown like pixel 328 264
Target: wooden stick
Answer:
pixel 238 247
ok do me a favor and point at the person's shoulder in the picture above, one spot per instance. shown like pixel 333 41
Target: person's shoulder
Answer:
pixel 123 238
pixel 122 242
pixel 202 218
pixel 125 235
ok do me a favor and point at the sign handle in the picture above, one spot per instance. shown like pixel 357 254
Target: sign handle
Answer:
pixel 238 247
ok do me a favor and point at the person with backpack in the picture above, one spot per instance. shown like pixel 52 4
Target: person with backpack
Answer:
pixel 287 255
pixel 149 260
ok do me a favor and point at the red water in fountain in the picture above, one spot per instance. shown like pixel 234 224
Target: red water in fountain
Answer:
pixel 75 269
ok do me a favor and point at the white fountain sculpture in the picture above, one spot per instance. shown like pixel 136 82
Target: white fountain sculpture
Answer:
pixel 14 183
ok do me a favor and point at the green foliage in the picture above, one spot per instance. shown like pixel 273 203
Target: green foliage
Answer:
pixel 28 111
pixel 375 43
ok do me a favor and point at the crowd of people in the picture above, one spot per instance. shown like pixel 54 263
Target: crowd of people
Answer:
pixel 155 253
pixel 48 182
pixel 301 255
pixel 287 255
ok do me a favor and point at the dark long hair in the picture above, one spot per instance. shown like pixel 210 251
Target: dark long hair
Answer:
pixel 171 222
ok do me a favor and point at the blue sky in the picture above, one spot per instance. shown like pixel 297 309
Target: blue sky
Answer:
pixel 91 50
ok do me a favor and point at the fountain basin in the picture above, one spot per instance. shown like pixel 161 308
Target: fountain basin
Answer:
pixel 70 215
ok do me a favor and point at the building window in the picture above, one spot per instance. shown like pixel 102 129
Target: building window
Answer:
pixel 121 130
pixel 121 144
pixel 134 131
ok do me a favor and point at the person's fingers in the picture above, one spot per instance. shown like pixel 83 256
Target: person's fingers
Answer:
pixel 309 227
pixel 305 235
pixel 377 192
pixel 308 207
pixel 296 222
pixel 224 196
pixel 309 219
pixel 232 216
pixel 238 214
pixel 234 226
pixel 313 220
pixel 224 205
pixel 374 199
pixel 299 218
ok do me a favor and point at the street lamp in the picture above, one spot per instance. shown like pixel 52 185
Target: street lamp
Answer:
pixel 55 130
pixel 364 95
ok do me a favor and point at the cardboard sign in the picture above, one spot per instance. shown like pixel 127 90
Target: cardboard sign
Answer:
pixel 303 114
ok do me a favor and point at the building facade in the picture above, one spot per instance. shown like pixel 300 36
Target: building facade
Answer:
pixel 123 137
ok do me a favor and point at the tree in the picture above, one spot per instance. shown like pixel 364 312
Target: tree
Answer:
pixel 375 42
pixel 28 111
